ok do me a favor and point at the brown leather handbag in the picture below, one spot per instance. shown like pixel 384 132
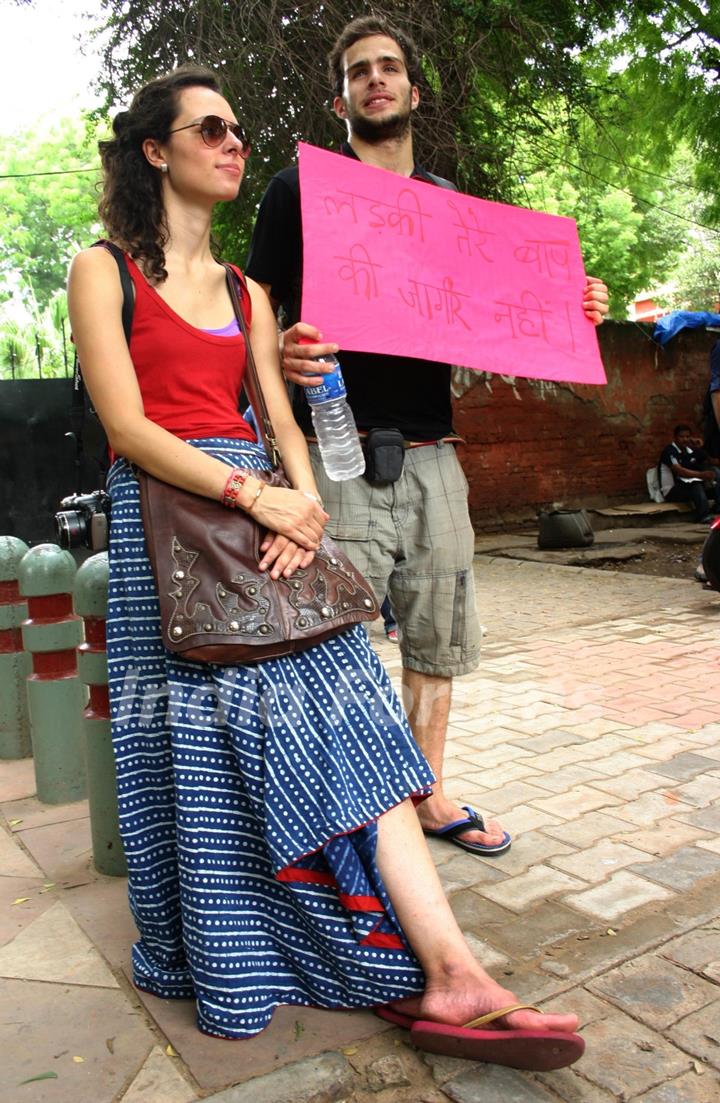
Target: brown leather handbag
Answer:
pixel 215 604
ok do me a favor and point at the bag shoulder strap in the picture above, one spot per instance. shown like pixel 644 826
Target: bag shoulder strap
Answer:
pixel 77 399
pixel 252 380
pixel 128 291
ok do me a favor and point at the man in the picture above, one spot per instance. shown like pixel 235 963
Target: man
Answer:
pixel 412 539
pixel 693 471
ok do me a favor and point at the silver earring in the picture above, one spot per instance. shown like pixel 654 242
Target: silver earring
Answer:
pixel 163 167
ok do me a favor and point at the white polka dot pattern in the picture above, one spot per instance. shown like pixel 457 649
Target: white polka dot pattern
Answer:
pixel 248 798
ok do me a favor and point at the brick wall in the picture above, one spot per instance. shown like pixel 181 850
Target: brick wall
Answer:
pixel 531 443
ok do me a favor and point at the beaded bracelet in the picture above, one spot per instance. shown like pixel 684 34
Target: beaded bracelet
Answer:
pixel 233 486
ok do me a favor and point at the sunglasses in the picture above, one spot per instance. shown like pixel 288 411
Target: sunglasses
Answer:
pixel 213 130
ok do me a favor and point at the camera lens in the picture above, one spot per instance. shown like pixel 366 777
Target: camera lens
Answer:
pixel 71 529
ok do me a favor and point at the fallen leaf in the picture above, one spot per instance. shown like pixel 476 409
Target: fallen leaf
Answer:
pixel 79 1060
pixel 699 1069
pixel 110 1043
pixel 611 932
pixel 14 823
pixel 350 1051
pixel 40 1076
pixel 298 1029
pixel 49 885
pixel 170 1051
pixel 20 900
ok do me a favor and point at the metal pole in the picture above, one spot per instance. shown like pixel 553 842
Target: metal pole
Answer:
pixel 90 595
pixel 15 663
pixel 56 695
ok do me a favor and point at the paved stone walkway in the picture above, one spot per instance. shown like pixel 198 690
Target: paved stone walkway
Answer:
pixel 592 730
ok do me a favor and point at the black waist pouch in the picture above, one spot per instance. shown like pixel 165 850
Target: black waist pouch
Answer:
pixel 384 455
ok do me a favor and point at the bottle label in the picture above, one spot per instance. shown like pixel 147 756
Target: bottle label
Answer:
pixel 332 386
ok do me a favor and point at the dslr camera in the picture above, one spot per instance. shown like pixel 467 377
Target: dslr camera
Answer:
pixel 83 520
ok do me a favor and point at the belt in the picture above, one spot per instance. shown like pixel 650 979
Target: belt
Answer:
pixel 408 443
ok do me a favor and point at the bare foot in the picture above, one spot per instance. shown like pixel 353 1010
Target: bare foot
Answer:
pixel 462 1001
pixel 437 811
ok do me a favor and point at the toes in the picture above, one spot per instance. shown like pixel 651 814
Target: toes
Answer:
pixel 534 1020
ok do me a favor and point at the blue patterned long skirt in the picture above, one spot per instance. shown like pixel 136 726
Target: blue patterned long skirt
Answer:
pixel 248 801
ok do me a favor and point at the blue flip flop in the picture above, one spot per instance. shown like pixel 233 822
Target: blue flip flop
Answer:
pixel 454 831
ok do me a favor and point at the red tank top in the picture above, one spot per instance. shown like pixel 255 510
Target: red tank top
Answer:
pixel 190 380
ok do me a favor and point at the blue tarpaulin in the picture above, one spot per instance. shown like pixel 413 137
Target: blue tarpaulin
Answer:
pixel 670 324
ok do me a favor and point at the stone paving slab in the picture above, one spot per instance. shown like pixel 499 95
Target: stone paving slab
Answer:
pixel 625 1059
pixel 622 893
pixel 490 1084
pixel 22 899
pixel 597 863
pixel 695 950
pixel 687 766
pixel 160 1081
pixel 62 850
pixel 326 1079
pixel 665 838
pixel 14 862
pixel 294 1034
pixel 655 991
pixel 699 1033
pixel 17 779
pixel 681 870
pixel 694 1087
pixel 29 812
pixel 589 730
pixel 53 948
pixel 46 1026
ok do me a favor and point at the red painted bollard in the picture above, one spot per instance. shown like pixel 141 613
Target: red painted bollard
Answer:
pixel 56 695
pixel 14 660
pixel 90 595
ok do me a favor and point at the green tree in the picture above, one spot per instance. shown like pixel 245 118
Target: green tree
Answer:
pixel 666 62
pixel 633 222
pixel 487 64
pixel 35 342
pixel 49 196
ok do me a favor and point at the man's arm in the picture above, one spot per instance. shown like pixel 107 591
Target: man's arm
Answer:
pixel 688 473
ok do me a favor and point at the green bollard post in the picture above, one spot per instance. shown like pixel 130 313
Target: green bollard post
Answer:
pixel 14 660
pixel 90 593
pixel 56 695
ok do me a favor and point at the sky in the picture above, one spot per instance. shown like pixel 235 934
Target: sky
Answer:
pixel 44 75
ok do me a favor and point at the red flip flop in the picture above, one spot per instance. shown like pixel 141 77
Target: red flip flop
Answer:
pixel 538 1050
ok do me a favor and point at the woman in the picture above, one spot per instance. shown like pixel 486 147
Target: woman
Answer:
pixel 273 849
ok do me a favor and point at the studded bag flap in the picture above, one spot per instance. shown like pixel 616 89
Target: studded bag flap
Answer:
pixel 216 606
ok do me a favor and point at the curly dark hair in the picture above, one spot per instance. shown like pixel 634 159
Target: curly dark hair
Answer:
pixel 131 206
pixel 363 27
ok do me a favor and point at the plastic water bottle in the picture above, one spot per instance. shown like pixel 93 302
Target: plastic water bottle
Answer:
pixel 334 424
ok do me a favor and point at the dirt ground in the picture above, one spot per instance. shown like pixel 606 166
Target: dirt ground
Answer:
pixel 659 558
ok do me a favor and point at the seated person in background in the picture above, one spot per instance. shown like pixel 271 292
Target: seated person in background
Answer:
pixel 693 472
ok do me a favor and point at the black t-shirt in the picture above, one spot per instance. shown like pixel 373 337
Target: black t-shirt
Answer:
pixel 385 392
pixel 693 459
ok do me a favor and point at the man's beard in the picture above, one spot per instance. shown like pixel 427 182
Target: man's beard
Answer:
pixel 380 130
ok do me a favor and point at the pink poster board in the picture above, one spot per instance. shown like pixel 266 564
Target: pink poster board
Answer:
pixel 398 266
